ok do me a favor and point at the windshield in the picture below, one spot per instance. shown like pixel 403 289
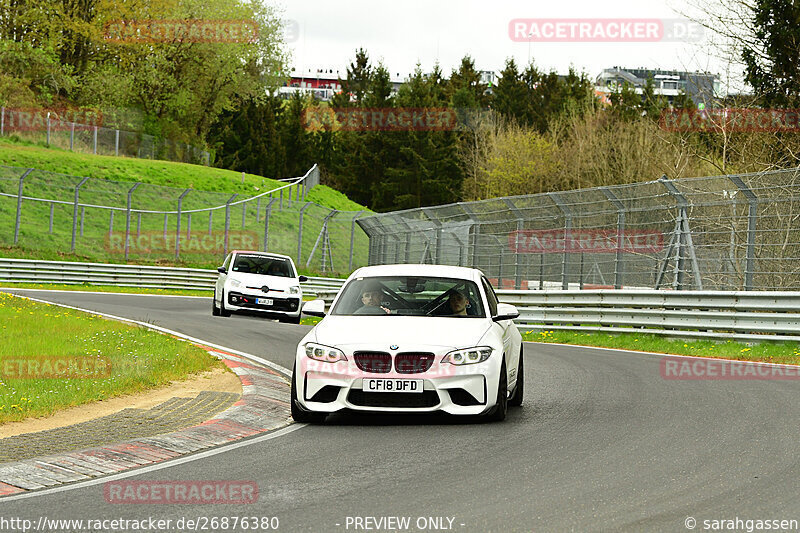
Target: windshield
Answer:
pixel 410 295
pixel 263 265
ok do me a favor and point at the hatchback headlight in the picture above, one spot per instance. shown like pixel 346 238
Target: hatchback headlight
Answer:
pixel 294 290
pixel 324 353
pixel 468 356
pixel 235 283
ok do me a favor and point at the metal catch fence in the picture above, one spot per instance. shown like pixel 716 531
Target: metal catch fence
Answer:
pixel 724 233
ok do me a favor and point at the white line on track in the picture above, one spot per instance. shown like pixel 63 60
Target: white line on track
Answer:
pixel 102 292
pixel 159 466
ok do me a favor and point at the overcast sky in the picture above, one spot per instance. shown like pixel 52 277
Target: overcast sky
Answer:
pixel 400 34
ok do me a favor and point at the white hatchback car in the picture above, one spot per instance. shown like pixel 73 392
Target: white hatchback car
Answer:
pixel 410 338
pixel 259 282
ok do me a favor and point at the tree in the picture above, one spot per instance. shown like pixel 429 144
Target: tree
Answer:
pixel 511 95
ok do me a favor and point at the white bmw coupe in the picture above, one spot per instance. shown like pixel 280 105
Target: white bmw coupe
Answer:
pixel 410 338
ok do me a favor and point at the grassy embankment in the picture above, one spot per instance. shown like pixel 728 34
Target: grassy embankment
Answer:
pixel 210 187
pixel 137 359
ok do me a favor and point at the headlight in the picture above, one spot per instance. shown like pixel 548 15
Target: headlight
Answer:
pixel 294 290
pixel 324 353
pixel 468 356
pixel 235 283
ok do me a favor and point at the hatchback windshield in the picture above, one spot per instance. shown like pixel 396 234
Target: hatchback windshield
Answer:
pixel 407 295
pixel 264 265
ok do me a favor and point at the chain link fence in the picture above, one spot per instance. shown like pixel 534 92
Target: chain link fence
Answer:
pixel 42 126
pixel 734 232
pixel 115 221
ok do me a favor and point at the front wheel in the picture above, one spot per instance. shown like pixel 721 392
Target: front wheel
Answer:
pixel 519 388
pixel 214 308
pixel 222 310
pixel 303 417
pixel 498 412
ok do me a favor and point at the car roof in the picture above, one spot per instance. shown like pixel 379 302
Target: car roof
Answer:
pixel 265 254
pixel 436 271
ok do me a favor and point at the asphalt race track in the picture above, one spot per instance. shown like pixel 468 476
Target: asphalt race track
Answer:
pixel 603 443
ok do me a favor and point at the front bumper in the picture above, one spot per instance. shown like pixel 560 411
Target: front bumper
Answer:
pixel 245 301
pixel 454 389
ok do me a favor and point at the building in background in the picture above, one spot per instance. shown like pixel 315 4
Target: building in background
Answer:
pixel 699 86
pixel 323 83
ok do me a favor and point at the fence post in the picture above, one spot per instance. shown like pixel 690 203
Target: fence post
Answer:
pixel 138 224
pixel 52 205
pixel 116 143
pixel 267 212
pixel 94 141
pixel 2 120
pixel 178 227
pixel 683 236
pixel 258 209
pixel 473 235
pixel 352 238
pixel 165 230
pixel 83 217
pixel 618 265
pixel 300 232
pixel 48 128
pixel 567 229
pixel 19 205
pixel 228 221
pixel 110 225
pixel 75 214
pixel 71 135
pixel 128 219
pixel 752 217
pixel 189 225
pixel 517 265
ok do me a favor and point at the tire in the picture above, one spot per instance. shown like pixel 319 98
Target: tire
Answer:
pixel 214 308
pixel 498 412
pixel 519 389
pixel 222 310
pixel 303 417
pixel 291 319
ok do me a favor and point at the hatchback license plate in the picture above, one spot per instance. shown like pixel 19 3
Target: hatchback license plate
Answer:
pixel 392 385
pixel 264 301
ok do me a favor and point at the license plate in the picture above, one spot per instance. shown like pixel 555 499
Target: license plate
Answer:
pixel 392 385
pixel 264 301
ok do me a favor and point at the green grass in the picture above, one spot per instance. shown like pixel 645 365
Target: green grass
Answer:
pixel 139 359
pixel 211 187
pixel 769 352
pixel 105 288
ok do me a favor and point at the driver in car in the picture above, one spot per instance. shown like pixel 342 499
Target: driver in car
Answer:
pixel 457 303
pixel 371 302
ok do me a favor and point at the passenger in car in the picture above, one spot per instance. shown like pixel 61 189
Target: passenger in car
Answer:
pixel 371 303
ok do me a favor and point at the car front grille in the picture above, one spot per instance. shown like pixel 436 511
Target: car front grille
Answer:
pixel 428 398
pixel 375 362
pixel 412 362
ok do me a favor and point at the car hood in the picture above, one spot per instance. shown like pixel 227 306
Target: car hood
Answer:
pixel 408 331
pixel 259 280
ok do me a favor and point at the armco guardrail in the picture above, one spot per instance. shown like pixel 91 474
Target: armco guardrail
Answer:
pixel 741 315
pixel 746 316
pixel 34 271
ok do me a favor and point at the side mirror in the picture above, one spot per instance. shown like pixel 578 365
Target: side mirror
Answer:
pixel 505 312
pixel 302 279
pixel 315 307
pixel 222 270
